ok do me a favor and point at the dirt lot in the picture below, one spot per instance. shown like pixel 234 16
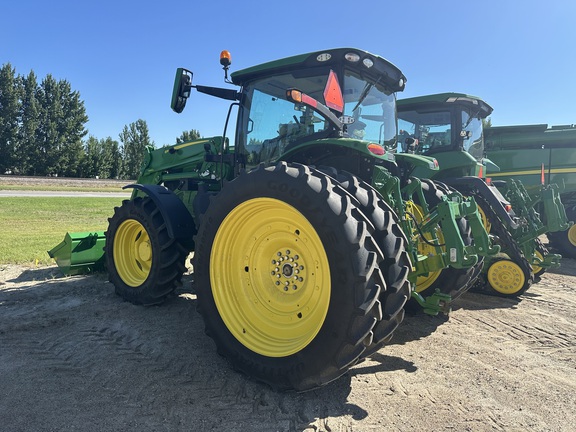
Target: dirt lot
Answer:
pixel 74 356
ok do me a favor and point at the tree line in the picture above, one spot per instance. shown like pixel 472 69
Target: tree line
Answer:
pixel 43 133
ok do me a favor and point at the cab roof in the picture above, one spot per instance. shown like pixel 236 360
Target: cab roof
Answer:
pixel 366 63
pixel 429 101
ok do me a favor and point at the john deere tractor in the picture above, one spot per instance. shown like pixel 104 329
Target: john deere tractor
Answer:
pixel 307 233
pixel 533 155
pixel 448 126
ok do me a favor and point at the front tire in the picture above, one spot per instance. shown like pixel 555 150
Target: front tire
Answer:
pixel 287 329
pixel 144 263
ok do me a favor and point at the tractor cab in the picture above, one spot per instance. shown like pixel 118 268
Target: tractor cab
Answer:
pixel 447 126
pixel 310 108
pixel 289 106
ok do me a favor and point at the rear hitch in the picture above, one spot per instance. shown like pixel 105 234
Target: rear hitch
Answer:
pixel 434 304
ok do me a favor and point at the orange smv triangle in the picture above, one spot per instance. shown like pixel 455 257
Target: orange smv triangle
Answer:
pixel 333 93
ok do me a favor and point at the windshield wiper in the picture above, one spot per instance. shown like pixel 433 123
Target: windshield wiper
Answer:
pixel 363 95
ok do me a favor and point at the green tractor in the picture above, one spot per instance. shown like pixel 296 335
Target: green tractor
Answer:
pixel 307 234
pixel 448 126
pixel 534 155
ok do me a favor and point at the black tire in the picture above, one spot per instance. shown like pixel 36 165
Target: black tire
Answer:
pixel 450 280
pixel 396 264
pixel 508 276
pixel 144 264
pixel 565 241
pixel 256 326
pixel 541 250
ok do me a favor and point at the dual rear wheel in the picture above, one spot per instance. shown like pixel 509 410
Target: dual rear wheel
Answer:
pixel 289 280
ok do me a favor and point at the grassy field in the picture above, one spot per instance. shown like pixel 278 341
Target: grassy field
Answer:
pixel 30 226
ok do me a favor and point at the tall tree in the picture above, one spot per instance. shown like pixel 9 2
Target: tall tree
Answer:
pixel 71 128
pixel 59 148
pixel 135 138
pixel 47 139
pixel 41 126
pixel 111 159
pixel 9 104
pixel 93 157
pixel 59 135
pixel 102 158
pixel 29 119
pixel 188 136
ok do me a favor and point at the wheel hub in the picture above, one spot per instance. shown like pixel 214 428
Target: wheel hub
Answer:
pixel 287 271
pixel 144 251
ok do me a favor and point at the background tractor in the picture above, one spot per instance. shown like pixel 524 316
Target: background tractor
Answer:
pixel 448 126
pixel 534 155
pixel 307 233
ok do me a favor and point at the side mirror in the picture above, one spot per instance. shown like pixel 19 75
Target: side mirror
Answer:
pixel 181 90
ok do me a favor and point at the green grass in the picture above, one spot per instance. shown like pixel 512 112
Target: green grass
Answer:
pixel 30 226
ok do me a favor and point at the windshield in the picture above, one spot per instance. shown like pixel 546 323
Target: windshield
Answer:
pixel 431 129
pixel 373 108
pixel 474 139
pixel 274 123
pixel 270 125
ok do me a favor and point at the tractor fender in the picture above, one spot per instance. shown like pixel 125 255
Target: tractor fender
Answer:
pixel 489 192
pixel 179 222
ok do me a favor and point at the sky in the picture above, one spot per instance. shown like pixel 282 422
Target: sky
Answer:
pixel 121 56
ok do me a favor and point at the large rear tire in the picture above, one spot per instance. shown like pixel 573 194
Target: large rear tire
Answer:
pixel 287 277
pixel 144 264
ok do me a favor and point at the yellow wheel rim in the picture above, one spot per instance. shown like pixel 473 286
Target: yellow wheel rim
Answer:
pixel 270 277
pixel 536 268
pixel 424 281
pixel 484 218
pixel 506 277
pixel 572 235
pixel 132 253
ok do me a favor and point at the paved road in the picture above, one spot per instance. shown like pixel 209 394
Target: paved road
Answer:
pixel 16 193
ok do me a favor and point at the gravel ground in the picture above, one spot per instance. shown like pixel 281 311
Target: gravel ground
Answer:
pixel 74 356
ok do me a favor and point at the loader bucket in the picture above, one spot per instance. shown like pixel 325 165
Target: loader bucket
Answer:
pixel 80 253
